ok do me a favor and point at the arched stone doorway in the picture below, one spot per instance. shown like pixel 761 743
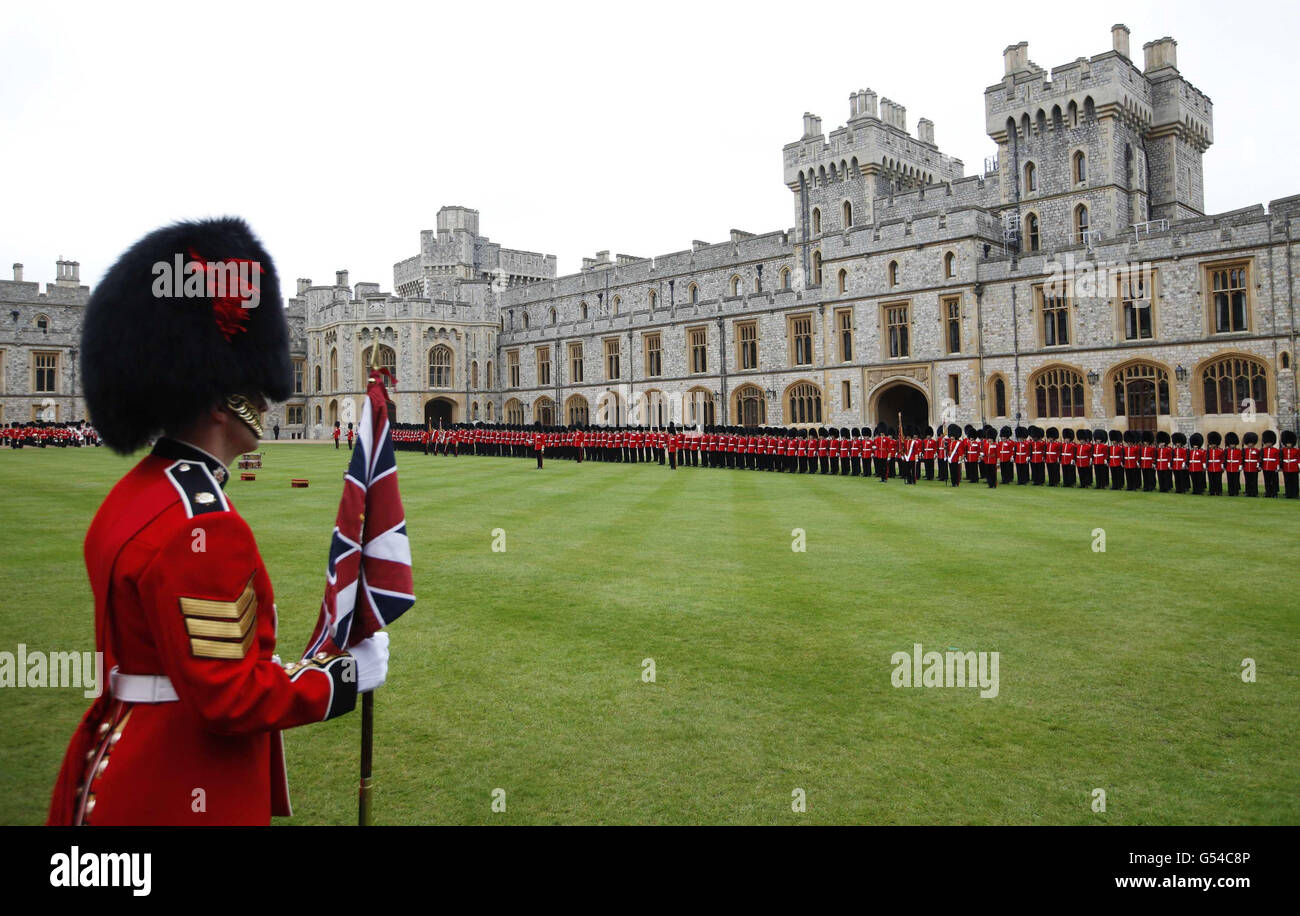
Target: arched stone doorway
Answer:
pixel 901 398
pixel 439 412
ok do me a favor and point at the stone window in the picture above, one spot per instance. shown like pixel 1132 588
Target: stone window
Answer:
pixel 45 372
pixel 847 214
pixel 817 221
pixel 514 412
pixel 950 265
pixel 951 307
pixel 1079 167
pixel 893 273
pixel 42 323
pixel 440 367
pixel 1227 383
pixel 582 310
pixel 846 394
pixel 804 404
pixel 1141 390
pixel 843 280
pixel 299 375
pixel 612 367
pixel 697 342
pixel 747 344
pixel 1081 224
pixel 334 370
pixel 1031 178
pixel 1053 317
pixel 512 371
pixel 801 340
pixel 785 278
pixel 897 330
pixel 1058 392
pixel 294 414
pixel 578 410
pixel 999 397
pixel 817 268
pixel 699 407
pixel 1031 232
pixel 653 299
pixel 735 285
pixel 544 411
pixel 1229 293
pixel 653 355
pixel 552 316
pixel 473 374
pixel 616 304
pixel 575 363
pixel 544 368
pixel 1136 306
pixel 387 359
pixel 693 294
pixel 844 325
pixel 954 388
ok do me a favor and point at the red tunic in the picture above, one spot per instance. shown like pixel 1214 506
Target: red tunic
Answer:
pixel 206 620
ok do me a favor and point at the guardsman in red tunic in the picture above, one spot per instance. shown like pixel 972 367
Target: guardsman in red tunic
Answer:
pixel 1068 450
pixel 1214 463
pixel 1290 462
pixel 1250 456
pixel 1196 463
pixel 1037 456
pixel 1232 463
pixel 1164 462
pixel 1178 462
pixel 1052 457
pixel 956 452
pixel 1115 459
pixel 1132 460
pixel 929 448
pixel 1006 455
pixel 337 433
pixel 1147 460
pixel 188 731
pixel 989 457
pixel 1083 458
pixel 1269 461
pixel 941 451
pixel 1023 450
pixel 539 445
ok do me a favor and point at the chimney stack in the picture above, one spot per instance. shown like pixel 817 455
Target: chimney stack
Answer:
pixel 304 284
pixel 1119 37
pixel 1016 57
pixel 925 131
pixel 812 126
pixel 869 103
pixel 1163 52
pixel 341 279
pixel 18 272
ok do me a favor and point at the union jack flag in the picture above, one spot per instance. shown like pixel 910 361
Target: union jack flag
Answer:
pixel 368 580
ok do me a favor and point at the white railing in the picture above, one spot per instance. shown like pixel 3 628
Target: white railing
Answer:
pixel 1089 237
pixel 1150 226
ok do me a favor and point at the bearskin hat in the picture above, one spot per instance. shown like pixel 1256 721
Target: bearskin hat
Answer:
pixel 1231 440
pixel 1067 434
pixel 1288 438
pixel 953 430
pixel 1249 439
pixel 1148 437
pixel 1084 435
pixel 1162 438
pixel 1178 439
pixel 154 358
pixel 1270 437
pixel 1115 436
pixel 1053 433
pixel 1198 440
pixel 1005 432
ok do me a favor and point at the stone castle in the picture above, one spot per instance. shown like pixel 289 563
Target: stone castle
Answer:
pixel 1076 281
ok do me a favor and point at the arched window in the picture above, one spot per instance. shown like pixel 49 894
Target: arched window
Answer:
pixel 43 323
pixel 319 388
pixel 514 412
pixel 1058 392
pixel 319 415
pixel 1081 223
pixel 489 378
pixel 693 294
pixel 577 410
pixel 999 397
pixel 552 315
pixel 473 374
pixel 1031 232
pixel 582 310
pixel 950 265
pixel 893 273
pixel 615 304
pixel 654 409
pixel 804 404
pixel 785 278
pixel 750 406
pixel 440 367
pixel 544 411
pixel 847 214
pixel 817 221
pixel 525 321
pixel 653 299
pixel 1226 384
pixel 698 407
pixel 843 280
pixel 387 360
pixel 1141 391
pixel 473 411
pixel 608 410
pixel 1031 178
pixel 1080 167
pixel 1072 114
pixel 817 268
pixel 334 370
pixel 735 285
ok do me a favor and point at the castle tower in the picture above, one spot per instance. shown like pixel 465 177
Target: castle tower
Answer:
pixel 1098 144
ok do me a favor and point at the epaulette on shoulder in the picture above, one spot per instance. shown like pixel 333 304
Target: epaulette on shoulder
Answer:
pixel 199 491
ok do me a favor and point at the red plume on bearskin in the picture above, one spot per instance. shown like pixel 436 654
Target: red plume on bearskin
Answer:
pixel 152 362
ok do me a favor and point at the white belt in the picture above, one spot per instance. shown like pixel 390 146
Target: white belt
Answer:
pixel 141 688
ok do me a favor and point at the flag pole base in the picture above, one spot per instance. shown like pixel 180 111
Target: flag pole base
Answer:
pixel 367 748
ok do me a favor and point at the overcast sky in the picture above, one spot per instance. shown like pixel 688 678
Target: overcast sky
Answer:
pixel 338 131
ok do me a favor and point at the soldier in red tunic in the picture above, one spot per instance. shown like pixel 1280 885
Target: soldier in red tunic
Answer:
pixel 189 730
pixel 1250 456
pixel 1269 460
pixel 1232 463
pixel 1214 463
pixel 1164 462
pixel 1290 462
pixel 1196 463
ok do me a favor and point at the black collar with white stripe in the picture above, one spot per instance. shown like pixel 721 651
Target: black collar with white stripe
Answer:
pixel 182 451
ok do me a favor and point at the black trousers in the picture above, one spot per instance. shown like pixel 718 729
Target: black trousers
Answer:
pixel 1022 474
pixel 539 458
pixel 1165 480
pixel 1067 475
pixel 1252 482
pixel 1037 474
pixel 991 475
pixel 943 470
pixel 1085 475
pixel 1214 483
pixel 1181 481
pixel 1148 480
pixel 1133 478
pixel 929 468
pixel 1101 473
pixel 1270 484
pixel 1054 475
pixel 1008 472
pixel 1197 480
pixel 1291 481
pixel 1234 482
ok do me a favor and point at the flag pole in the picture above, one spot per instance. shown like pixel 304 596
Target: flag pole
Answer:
pixel 367 708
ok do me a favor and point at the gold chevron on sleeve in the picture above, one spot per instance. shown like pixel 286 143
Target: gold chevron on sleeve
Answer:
pixel 221 629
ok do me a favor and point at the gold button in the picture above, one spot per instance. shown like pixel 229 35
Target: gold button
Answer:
pixel 103 729
pixel 103 765
pixel 185 467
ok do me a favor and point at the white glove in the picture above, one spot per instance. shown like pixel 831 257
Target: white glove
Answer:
pixel 371 656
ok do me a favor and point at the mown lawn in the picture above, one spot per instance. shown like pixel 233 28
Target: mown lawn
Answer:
pixel 522 670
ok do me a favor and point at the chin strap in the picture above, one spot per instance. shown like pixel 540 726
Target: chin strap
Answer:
pixel 241 407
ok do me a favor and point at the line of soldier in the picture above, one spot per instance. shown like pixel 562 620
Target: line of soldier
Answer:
pixel 37 434
pixel 1101 459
